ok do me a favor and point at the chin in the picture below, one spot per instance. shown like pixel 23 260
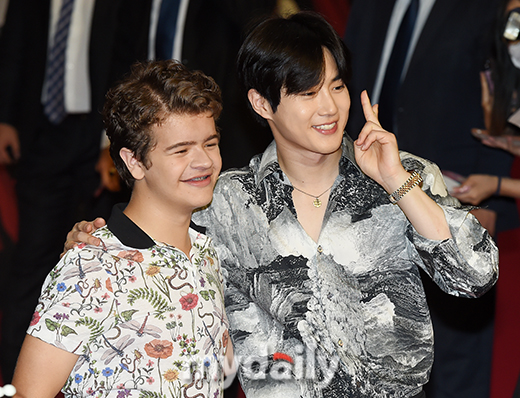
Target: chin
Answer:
pixel 205 200
pixel 331 147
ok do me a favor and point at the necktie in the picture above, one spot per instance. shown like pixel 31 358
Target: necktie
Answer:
pixel 394 69
pixel 166 29
pixel 54 106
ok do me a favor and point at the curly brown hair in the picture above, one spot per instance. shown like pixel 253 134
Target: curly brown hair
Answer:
pixel 146 97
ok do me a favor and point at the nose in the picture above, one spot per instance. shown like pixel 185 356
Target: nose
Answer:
pixel 201 158
pixel 327 103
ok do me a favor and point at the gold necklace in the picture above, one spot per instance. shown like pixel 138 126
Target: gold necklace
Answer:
pixel 316 202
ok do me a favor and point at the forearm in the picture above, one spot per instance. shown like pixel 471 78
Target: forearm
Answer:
pixel 465 265
pixel 424 214
pixel 510 187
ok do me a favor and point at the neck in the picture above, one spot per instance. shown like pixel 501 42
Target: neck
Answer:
pixel 311 172
pixel 169 226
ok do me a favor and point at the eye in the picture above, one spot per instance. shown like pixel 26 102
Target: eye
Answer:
pixel 308 94
pixel 180 151
pixel 212 144
pixel 339 87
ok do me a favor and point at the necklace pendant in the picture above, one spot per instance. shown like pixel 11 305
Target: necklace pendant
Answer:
pixel 317 202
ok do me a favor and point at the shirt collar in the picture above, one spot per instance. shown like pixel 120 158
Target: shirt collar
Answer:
pixel 269 159
pixel 129 233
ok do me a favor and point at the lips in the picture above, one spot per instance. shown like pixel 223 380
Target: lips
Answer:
pixel 199 178
pixel 201 181
pixel 329 128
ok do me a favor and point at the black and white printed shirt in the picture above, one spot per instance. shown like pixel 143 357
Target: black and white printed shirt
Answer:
pixel 347 315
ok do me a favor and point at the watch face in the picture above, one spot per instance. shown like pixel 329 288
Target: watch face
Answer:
pixel 512 29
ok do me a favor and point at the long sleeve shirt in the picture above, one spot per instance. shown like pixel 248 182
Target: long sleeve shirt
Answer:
pixel 346 315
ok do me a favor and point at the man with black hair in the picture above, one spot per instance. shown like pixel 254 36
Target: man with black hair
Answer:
pixel 322 238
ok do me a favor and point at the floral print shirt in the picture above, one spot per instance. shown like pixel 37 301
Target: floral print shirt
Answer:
pixel 345 316
pixel 145 320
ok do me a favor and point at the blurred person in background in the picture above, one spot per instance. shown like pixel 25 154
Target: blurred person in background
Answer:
pixel 55 68
pixel 501 103
pixel 420 60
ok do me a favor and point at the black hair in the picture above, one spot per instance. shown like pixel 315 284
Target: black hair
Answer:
pixel 505 76
pixel 287 53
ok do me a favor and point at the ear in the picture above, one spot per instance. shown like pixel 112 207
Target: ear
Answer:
pixel 260 104
pixel 135 167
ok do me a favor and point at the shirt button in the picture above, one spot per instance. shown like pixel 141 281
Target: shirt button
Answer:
pixel 340 343
pixel 320 249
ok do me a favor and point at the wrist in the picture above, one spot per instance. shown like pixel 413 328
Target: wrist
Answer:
pixel 499 186
pixel 411 182
pixel 392 183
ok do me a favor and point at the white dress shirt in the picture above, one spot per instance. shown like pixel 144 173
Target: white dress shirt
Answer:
pixel 179 29
pixel 77 78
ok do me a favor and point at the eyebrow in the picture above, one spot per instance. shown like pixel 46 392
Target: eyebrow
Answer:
pixel 188 143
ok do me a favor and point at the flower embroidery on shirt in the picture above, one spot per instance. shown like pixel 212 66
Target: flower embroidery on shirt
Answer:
pixel 189 301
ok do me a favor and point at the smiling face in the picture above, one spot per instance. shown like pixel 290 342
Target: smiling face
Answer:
pixel 183 166
pixel 313 121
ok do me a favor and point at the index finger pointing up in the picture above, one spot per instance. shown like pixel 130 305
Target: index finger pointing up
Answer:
pixel 369 110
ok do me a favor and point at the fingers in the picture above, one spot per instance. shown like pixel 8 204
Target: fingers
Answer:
pixel 369 111
pixel 495 143
pixel 475 189
pixel 81 233
pixel 370 135
pixel 76 237
pixel 461 189
pixel 513 145
pixel 99 222
pixel 375 108
pixel 372 132
pixel 479 133
pixel 372 122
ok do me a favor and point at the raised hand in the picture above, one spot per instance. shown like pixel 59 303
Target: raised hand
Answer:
pixel 376 150
pixel 378 157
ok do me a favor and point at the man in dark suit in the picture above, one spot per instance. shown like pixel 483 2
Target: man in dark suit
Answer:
pixel 435 106
pixel 56 159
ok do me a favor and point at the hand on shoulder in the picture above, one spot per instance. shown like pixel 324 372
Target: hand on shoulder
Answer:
pixel 82 233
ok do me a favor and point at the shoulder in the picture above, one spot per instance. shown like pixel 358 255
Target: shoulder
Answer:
pixel 109 248
pixel 235 177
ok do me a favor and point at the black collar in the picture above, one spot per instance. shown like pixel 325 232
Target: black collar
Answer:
pixel 129 233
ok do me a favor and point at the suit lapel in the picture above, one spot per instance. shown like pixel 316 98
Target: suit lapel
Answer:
pixel 440 11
